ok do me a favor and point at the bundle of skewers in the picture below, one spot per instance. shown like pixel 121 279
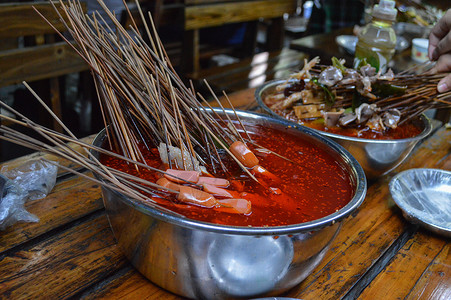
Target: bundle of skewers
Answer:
pixel 144 104
pixel 349 97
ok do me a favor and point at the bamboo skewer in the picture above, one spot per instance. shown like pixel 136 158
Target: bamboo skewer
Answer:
pixel 421 93
pixel 142 100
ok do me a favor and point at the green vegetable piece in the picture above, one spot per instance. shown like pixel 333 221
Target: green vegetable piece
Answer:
pixel 362 63
pixel 329 97
pixel 318 121
pixel 386 89
pixel 374 62
pixel 336 63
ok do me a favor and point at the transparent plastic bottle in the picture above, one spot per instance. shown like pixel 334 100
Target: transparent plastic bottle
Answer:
pixel 377 40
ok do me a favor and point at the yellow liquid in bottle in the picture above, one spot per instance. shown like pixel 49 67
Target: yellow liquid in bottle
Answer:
pixel 376 44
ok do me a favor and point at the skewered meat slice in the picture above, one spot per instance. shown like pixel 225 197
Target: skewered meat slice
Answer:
pixel 375 123
pixel 164 182
pixel 365 111
pixel 237 206
pixel 217 191
pixel 194 196
pixel 243 154
pixel 309 97
pixel 219 182
pixel 389 75
pixel 182 176
pixel 331 117
pixel 309 111
pixel 352 76
pixel 391 118
pixel 364 87
pixel 271 100
pixel 293 98
pixel 305 72
pixel 347 118
pixel 368 70
pixel 330 76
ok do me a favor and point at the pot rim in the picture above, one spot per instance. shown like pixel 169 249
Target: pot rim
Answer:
pixel 356 173
pixel 425 120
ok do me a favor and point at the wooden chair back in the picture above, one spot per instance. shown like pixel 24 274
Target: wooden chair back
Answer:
pixel 46 58
pixel 201 14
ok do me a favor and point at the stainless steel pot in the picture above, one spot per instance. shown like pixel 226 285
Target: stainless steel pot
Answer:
pixel 377 157
pixel 203 260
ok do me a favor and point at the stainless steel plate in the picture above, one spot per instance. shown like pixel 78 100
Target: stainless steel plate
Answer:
pixel 424 196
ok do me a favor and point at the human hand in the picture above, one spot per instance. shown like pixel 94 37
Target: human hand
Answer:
pixel 443 65
pixel 440 50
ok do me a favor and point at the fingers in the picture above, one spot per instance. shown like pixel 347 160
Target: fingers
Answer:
pixel 443 46
pixel 444 85
pixel 440 30
pixel 443 64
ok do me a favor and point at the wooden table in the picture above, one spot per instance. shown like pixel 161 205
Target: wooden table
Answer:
pixel 325 46
pixel 71 252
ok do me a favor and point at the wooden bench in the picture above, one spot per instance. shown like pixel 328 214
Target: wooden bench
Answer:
pixel 251 72
pixel 45 58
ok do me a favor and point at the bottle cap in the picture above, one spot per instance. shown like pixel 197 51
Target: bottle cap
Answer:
pixel 385 10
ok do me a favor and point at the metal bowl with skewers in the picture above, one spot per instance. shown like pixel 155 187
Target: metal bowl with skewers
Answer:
pixel 211 260
pixel 376 117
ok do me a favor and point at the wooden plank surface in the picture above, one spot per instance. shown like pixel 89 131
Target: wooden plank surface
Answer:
pixel 421 269
pixel 63 264
pixel 129 284
pixel 70 200
pixel 435 281
pixel 39 62
pixel 13 16
pixel 285 61
pixel 203 16
pixel 255 60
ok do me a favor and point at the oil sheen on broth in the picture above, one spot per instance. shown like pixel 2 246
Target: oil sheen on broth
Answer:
pixel 313 185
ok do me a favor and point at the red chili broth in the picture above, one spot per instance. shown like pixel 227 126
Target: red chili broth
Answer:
pixel 315 186
pixel 403 131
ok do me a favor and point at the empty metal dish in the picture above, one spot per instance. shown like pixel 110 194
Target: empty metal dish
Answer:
pixel 424 196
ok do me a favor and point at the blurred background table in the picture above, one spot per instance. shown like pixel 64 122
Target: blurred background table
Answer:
pixel 325 46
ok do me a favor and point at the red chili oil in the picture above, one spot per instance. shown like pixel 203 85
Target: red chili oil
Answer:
pixel 403 131
pixel 313 185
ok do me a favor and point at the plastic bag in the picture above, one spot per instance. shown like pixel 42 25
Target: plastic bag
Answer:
pixel 31 181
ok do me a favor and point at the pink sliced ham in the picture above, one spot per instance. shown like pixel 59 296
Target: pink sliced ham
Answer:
pixel 237 206
pixel 181 176
pixel 194 196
